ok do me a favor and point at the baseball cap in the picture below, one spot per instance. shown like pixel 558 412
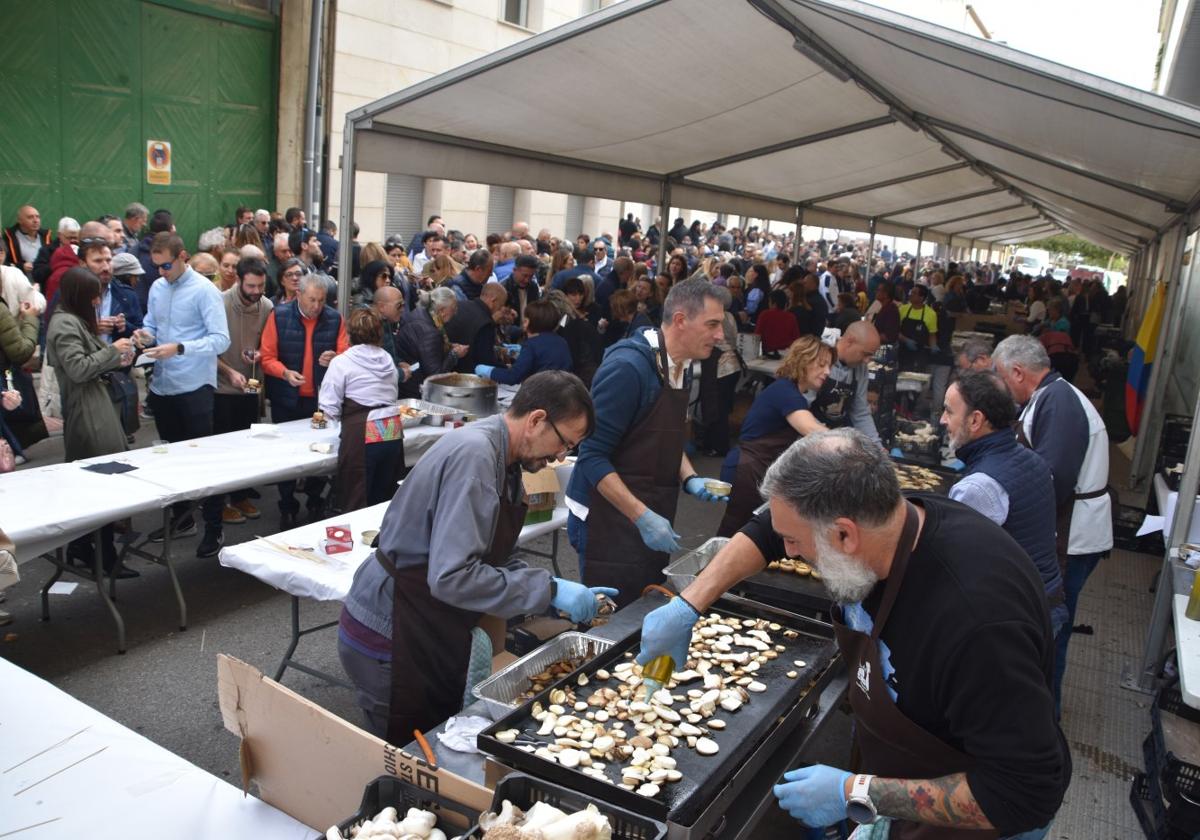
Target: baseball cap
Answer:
pixel 123 264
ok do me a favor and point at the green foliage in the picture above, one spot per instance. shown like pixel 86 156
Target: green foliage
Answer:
pixel 1068 245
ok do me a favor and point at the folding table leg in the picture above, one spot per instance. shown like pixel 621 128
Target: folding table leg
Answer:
pixel 168 523
pixel 59 564
pixel 554 553
pixel 289 662
pixel 98 573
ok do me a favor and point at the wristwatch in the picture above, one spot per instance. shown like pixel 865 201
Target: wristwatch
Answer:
pixel 859 806
pixel 179 344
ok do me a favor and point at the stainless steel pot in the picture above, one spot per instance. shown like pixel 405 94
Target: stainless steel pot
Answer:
pixel 473 394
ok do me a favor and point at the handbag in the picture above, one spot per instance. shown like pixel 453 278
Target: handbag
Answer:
pixel 123 392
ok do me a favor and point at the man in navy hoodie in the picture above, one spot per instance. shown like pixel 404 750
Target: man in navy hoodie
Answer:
pixel 625 486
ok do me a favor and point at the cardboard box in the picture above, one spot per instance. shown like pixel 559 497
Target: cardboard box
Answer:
pixel 541 489
pixel 311 764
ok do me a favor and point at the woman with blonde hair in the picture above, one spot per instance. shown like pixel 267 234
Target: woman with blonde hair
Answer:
pixel 564 259
pixel 440 270
pixel 779 415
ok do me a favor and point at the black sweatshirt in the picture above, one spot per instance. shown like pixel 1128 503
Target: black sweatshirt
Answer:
pixel 970 642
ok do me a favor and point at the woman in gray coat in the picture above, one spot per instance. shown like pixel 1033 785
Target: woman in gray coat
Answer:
pixel 91 425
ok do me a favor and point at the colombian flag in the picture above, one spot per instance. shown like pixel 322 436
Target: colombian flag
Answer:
pixel 1141 361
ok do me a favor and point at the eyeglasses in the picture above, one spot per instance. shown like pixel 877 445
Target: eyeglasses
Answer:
pixel 94 240
pixel 293 275
pixel 567 447
pixel 165 267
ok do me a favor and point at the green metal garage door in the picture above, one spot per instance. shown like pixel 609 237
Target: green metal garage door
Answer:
pixel 85 83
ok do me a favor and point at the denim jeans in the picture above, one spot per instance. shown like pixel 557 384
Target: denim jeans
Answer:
pixel 577 537
pixel 1079 568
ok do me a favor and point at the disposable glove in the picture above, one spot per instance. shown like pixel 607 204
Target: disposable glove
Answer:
pixel 484 370
pixel 815 795
pixel 896 453
pixel 694 486
pixel 668 630
pixel 513 349
pixel 657 532
pixel 578 601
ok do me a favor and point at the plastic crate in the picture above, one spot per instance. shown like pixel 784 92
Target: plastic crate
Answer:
pixel 1177 779
pixel 402 795
pixel 1150 812
pixel 523 791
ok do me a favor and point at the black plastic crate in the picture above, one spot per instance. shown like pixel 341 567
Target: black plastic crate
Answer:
pixel 395 792
pixel 523 791
pixel 1179 780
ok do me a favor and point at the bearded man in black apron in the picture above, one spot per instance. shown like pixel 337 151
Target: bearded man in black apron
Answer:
pixel 442 562
pixel 625 486
pixel 842 399
pixel 949 652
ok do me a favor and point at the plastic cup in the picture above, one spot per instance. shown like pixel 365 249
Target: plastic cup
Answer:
pixel 159 447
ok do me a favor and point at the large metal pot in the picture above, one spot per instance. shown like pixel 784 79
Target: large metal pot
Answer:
pixel 473 394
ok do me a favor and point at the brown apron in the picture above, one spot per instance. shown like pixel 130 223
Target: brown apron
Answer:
pixel 352 455
pixel 647 460
pixel 754 458
pixel 888 743
pixel 431 640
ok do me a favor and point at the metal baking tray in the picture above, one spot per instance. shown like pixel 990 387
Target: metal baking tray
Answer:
pixel 502 690
pixel 782 589
pixel 947 476
pixel 703 777
pixel 435 415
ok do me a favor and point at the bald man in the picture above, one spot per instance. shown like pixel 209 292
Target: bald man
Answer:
pixel 475 326
pixel 842 400
pixel 389 303
pixel 24 239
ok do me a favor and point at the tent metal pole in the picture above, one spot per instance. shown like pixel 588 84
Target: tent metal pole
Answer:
pixel 920 241
pixel 971 252
pixel 870 245
pixel 1169 332
pixel 346 218
pixel 798 242
pixel 664 198
pixel 1164 595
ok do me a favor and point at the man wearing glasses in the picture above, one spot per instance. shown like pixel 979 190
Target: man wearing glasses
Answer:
pixel 442 561
pixel 184 331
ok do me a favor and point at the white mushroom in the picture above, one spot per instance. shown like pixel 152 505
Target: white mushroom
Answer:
pixel 756 687
pixel 706 746
pixel 649 789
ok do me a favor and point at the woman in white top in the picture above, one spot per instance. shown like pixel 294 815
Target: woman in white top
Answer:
pixel 360 389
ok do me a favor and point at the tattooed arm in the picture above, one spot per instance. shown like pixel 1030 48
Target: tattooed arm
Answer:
pixel 946 801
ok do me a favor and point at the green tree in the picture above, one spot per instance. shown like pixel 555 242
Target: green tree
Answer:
pixel 1068 245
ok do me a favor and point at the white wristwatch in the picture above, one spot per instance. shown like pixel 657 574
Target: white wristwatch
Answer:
pixel 859 806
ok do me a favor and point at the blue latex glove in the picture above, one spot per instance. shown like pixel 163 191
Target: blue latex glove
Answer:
pixel 513 349
pixel 668 630
pixel 484 370
pixel 957 465
pixel 816 795
pixel 694 486
pixel 578 601
pixel 896 453
pixel 657 532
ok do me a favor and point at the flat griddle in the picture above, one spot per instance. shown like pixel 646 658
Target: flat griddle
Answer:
pixel 703 776
pixel 948 476
pixel 786 589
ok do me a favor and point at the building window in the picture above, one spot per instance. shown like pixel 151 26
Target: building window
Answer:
pixel 500 209
pixel 402 206
pixel 516 12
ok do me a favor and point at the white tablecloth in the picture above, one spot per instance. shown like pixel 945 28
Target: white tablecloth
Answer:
pixel 1167 499
pixel 768 367
pixel 77 773
pixel 44 508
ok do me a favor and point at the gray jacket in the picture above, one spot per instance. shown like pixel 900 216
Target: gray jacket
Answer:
pixel 91 425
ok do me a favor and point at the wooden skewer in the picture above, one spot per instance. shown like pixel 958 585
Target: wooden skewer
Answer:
pixel 299 553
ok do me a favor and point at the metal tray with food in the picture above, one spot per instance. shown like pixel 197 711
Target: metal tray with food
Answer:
pixel 780 588
pixel 433 414
pixel 506 689
pixel 666 759
pixel 920 476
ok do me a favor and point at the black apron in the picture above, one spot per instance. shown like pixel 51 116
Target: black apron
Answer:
pixel 647 460
pixel 754 458
pixel 916 330
pixel 832 403
pixel 888 743
pixel 431 640
pixel 352 486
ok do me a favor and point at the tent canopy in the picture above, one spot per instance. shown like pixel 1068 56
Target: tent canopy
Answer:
pixel 838 109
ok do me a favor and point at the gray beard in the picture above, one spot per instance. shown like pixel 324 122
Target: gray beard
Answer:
pixel 847 578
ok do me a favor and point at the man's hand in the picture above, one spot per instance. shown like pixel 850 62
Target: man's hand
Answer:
pixel 123 345
pixel 579 602
pixel 29 268
pixel 460 350
pixel 27 309
pixel 816 795
pixel 10 400
pixel 656 532
pixel 325 358
pixel 697 486
pixel 118 322
pixel 104 326
pixel 237 380
pixel 668 630
pixel 292 378
pixel 143 338
pixel 163 351
pixel 406 370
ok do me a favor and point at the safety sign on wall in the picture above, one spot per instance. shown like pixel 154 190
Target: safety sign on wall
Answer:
pixel 158 162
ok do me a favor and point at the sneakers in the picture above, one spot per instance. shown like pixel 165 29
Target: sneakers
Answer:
pixel 232 516
pixel 20 460
pixel 180 528
pixel 210 546
pixel 247 509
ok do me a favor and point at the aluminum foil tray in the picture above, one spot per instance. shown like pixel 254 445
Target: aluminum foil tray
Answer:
pixel 502 691
pixel 435 415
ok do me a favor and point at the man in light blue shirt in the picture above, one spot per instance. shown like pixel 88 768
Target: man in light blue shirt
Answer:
pixel 186 324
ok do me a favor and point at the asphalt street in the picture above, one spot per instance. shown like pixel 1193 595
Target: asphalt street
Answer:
pixel 165 686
